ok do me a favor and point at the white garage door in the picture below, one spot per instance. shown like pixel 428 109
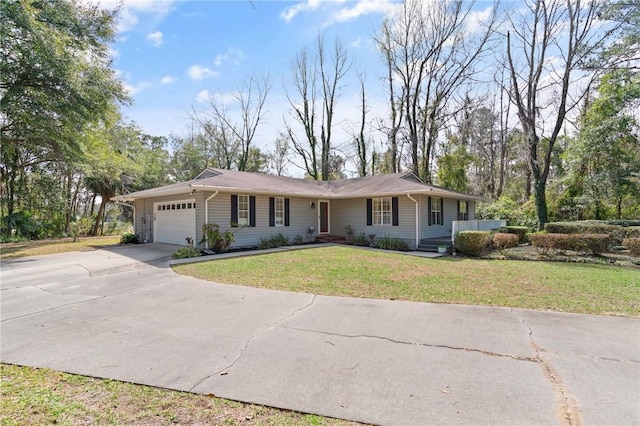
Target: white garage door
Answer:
pixel 174 221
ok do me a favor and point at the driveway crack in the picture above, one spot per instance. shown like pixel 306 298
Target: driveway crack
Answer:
pixel 248 342
pixel 52 308
pixel 567 407
pixel 426 345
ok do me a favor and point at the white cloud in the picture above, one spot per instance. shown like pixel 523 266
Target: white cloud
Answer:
pixel 235 56
pixel 167 79
pixel 476 19
pixel 131 9
pixel 203 96
pixel 364 7
pixel 155 38
pixel 198 72
pixel 289 13
pixel 132 90
pixel 356 43
pixel 113 53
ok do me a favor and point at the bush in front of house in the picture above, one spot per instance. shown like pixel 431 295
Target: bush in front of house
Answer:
pixel 633 245
pixel 186 252
pixel 274 241
pixel 129 238
pixel 391 243
pixel 582 243
pixel 503 241
pixel 217 241
pixel 360 240
pixel 472 243
pixel 520 231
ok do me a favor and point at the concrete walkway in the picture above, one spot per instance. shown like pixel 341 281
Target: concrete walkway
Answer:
pixel 122 313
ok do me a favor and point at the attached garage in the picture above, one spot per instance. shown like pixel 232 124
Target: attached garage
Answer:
pixel 174 221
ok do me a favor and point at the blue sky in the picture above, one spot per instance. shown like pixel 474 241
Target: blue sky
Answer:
pixel 171 55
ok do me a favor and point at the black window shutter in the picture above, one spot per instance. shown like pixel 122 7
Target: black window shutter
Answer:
pixel 441 211
pixel 429 209
pixel 369 212
pixel 458 213
pixel 234 210
pixel 394 211
pixel 272 211
pixel 252 211
pixel 286 212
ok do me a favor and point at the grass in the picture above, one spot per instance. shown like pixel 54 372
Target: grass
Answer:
pixel 342 271
pixel 65 245
pixel 40 396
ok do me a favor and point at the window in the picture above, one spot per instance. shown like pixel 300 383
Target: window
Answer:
pixel 243 210
pixel 382 211
pixel 279 211
pixel 463 210
pixel 436 211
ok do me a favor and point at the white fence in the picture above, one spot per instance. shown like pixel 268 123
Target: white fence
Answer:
pixel 475 225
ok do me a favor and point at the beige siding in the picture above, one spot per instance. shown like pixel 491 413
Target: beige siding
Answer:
pixel 354 212
pixel 302 217
pixel 450 214
pixel 342 212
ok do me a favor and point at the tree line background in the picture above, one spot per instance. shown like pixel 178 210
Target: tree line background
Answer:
pixel 548 130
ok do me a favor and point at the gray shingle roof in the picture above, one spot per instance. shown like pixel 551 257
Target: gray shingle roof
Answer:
pixel 213 179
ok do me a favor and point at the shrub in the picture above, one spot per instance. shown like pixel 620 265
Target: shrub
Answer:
pixel 502 241
pixel 391 243
pixel 632 232
pixel 297 240
pixel 472 243
pixel 583 243
pixel 361 240
pixel 185 252
pixel 616 232
pixel 633 245
pixel 217 241
pixel 520 231
pixel 278 240
pixel 129 238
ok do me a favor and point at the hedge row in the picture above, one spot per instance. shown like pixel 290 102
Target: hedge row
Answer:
pixel 520 231
pixel 633 245
pixel 615 229
pixel 583 243
pixel 502 241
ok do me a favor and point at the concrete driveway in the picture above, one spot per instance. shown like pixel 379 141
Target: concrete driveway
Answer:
pixel 122 313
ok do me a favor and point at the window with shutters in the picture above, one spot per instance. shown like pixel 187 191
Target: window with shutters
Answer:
pixel 436 211
pixel 279 211
pixel 382 211
pixel 243 210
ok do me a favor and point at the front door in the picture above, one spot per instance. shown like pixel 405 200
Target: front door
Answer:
pixel 323 217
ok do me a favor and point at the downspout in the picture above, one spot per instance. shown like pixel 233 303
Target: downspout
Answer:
pixel 120 203
pixel 417 219
pixel 206 213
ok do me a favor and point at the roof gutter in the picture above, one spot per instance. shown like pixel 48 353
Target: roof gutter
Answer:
pixel 417 219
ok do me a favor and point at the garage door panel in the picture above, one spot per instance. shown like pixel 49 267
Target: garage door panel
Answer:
pixel 175 221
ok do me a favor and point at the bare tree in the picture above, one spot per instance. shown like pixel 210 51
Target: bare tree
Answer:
pixel 547 46
pixel 396 100
pixel 232 134
pixel 432 53
pixel 279 158
pixel 317 82
pixel 359 138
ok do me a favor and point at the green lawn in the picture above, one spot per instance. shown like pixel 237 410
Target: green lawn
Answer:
pixel 345 271
pixel 63 245
pixel 40 396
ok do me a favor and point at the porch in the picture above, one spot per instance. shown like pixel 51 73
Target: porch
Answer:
pixel 432 243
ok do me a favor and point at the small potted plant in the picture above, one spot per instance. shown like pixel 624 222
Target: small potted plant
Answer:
pixel 442 249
